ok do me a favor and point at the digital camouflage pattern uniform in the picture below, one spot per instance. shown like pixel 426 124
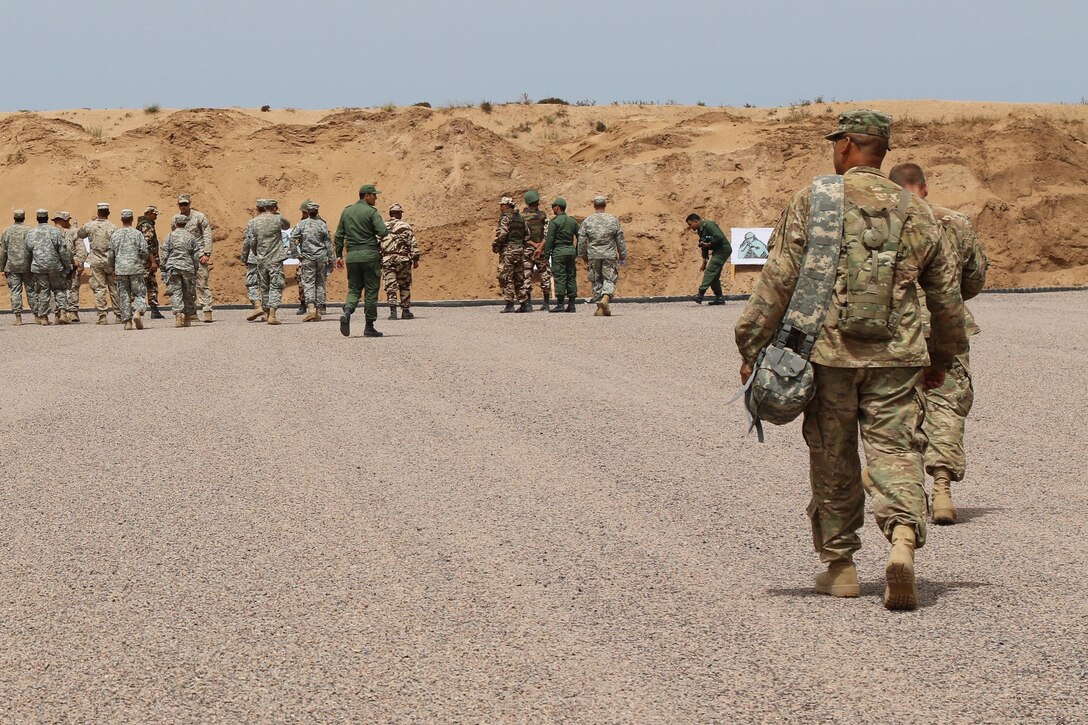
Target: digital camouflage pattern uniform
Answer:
pixel 15 262
pixel 399 253
pixel 559 248
pixel 515 260
pixel 78 252
pixel 50 265
pixel 101 275
pixel 947 407
pixel 253 280
pixel 129 249
pixel 313 248
pixel 180 257
pixel 873 384
pixel 264 238
pixel 601 244
pixel 536 221
pixel 151 267
pixel 199 227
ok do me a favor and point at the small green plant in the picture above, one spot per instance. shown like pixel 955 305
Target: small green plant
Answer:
pixel 523 128
pixel 586 102
pixel 552 101
pixel 549 120
pixel 152 109
pixel 601 128
pixel 95 131
pixel 818 100
pixel 421 104
pixel 525 100
pixel 772 112
pixel 266 109
pixel 748 105
pixel 486 106
pixel 389 107
pixel 701 104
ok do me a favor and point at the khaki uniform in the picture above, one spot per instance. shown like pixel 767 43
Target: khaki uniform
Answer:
pixel 199 227
pixel 871 385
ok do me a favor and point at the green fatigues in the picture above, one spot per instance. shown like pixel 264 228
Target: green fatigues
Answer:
pixel 716 254
pixel 560 248
pixel 359 229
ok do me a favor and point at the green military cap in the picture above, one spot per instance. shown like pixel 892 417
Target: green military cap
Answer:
pixel 304 206
pixel 871 123
pixel 560 202
pixel 368 189
pixel 532 197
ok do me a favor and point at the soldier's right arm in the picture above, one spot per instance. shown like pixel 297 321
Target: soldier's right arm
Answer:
pixel 975 264
pixel 84 231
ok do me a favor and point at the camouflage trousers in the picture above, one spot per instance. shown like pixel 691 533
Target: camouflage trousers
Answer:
pixel 946 410
pixel 73 289
pixel 253 283
pixel 888 407
pixel 603 275
pixel 50 286
pixel 21 283
pixel 270 279
pixel 311 277
pixel 203 289
pixel 182 289
pixel 543 272
pixel 151 284
pixel 397 280
pixel 102 280
pixel 131 293
pixel 516 273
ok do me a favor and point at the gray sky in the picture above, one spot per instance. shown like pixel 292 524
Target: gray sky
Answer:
pixel 333 53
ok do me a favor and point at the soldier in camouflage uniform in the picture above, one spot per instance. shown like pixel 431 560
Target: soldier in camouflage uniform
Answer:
pixel 602 247
pixel 536 221
pixel 102 280
pixel 16 265
pixel 312 246
pixel 181 253
pixel 304 207
pixel 50 265
pixel 400 255
pixel 516 263
pixel 264 237
pixel 199 227
pixel 78 253
pixel 871 383
pixel 253 284
pixel 146 226
pixel 129 252
pixel 947 407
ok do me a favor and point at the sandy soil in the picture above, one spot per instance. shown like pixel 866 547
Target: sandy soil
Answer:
pixel 508 518
pixel 1020 171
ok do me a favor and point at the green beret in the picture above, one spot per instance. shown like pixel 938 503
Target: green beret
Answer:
pixel 532 197
pixel 560 202
pixel 870 123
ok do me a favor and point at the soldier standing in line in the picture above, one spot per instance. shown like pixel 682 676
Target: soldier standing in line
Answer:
pixel 313 248
pixel 16 266
pixel 537 223
pixel 253 284
pixel 602 247
pixel 78 253
pixel 515 265
pixel 50 265
pixel 102 280
pixel 199 227
pixel 560 249
pixel 181 254
pixel 264 237
pixel 129 252
pixel 864 379
pixel 400 255
pixel 948 406
pixel 359 230
pixel 146 226
pixel 304 207
pixel 715 249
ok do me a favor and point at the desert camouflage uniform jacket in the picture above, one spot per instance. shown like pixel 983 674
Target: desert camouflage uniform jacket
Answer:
pixel 180 251
pixel 971 262
pixel 601 237
pixel 147 228
pixel 128 247
pixel 13 254
pixel 47 250
pixel 100 231
pixel 400 244
pixel 922 259
pixel 264 238
pixel 76 248
pixel 310 239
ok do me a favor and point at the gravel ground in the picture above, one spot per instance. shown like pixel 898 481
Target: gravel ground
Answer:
pixel 486 517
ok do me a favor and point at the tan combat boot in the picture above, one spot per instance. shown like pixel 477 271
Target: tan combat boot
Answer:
pixel 62 318
pixel 73 317
pixel 599 312
pixel 102 319
pixel 179 319
pixel 317 314
pixel 606 300
pixel 258 312
pixel 944 511
pixel 900 592
pixel 208 316
pixel 138 318
pixel 840 580
pixel 311 314
pixel 272 317
pixel 18 319
pixel 128 324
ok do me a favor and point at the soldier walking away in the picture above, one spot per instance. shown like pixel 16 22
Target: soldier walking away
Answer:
pixel 948 406
pixel 304 208
pixel 264 238
pixel 515 263
pixel 78 253
pixel 536 220
pixel 559 247
pixel 601 246
pixel 715 249
pixel 868 356
pixel 99 230
pixel 357 246
pixel 129 252
pixel 181 254
pixel 313 248
pixel 199 227
pixel 50 267
pixel 253 285
pixel 15 264
pixel 400 255
pixel 146 226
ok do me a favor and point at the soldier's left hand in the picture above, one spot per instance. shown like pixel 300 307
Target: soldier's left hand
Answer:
pixel 204 259
pixel 745 372
pixel 933 378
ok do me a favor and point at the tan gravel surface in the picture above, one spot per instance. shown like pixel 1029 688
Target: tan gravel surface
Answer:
pixel 486 517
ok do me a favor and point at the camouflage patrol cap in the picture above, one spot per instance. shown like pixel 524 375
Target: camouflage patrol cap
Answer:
pixel 396 207
pixel 19 212
pixel 271 202
pixel 64 216
pixel 42 213
pixel 560 202
pixel 599 200
pixel 262 203
pixel 126 213
pixel 506 201
pixel 532 196
pixel 152 209
pixel 180 220
pixel 184 199
pixel 368 189
pixel 312 206
pixel 871 123
pixel 103 206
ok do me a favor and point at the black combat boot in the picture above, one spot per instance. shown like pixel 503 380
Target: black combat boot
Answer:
pixel 406 314
pixel 524 307
pixel 369 330
pixel 155 314
pixel 345 324
pixel 301 307
pixel 392 312
pixel 528 304
pixel 509 308
pixel 547 302
pixel 570 304
pixel 698 299
pixel 718 300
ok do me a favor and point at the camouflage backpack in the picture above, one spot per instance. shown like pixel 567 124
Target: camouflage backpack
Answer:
pixel 783 381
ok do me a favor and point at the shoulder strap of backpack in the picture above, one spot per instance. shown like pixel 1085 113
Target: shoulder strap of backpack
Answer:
pixel 804 318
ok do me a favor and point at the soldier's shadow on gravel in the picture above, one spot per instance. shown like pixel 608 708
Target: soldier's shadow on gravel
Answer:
pixel 929 592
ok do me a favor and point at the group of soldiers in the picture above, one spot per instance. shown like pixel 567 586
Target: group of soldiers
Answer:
pixel 908 391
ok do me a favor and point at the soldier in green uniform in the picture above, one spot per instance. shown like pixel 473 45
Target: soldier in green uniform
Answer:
pixel 537 222
pixel 715 249
pixel 561 248
pixel 360 228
